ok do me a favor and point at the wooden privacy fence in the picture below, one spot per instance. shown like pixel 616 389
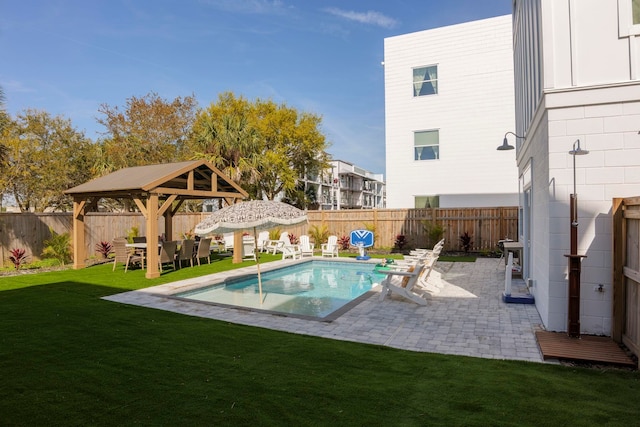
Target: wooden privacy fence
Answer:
pixel 485 225
pixel 29 231
pixel 626 272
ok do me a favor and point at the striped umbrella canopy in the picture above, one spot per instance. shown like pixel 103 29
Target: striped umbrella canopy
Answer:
pixel 252 214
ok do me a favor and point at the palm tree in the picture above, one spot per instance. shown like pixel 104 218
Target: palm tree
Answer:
pixel 230 144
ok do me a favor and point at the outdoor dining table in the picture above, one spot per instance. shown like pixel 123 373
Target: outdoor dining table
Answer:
pixel 142 248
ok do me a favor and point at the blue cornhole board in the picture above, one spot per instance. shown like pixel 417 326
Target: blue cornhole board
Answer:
pixel 361 238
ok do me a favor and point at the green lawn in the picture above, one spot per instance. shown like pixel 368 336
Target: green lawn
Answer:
pixel 69 358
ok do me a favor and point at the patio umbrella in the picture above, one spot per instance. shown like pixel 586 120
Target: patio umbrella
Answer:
pixel 252 214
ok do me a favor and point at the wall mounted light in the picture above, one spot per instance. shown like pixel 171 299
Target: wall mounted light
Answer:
pixel 505 143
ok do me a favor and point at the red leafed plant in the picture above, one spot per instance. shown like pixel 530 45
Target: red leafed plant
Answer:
pixel 104 248
pixel 344 242
pixel 18 257
pixel 293 239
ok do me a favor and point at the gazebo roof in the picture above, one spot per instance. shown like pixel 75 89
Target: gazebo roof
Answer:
pixel 196 179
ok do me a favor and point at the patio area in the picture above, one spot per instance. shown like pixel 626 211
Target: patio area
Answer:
pixel 467 317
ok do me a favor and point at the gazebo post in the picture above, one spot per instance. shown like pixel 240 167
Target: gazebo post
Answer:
pixel 79 253
pixel 152 237
pixel 168 225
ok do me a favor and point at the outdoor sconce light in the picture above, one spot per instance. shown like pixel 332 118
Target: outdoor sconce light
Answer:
pixel 575 260
pixel 505 144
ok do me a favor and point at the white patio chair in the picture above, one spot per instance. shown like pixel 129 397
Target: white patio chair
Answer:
pixel 331 247
pixel 306 247
pixel 263 238
pixel 228 241
pixel 248 250
pixel 403 283
pixel 291 251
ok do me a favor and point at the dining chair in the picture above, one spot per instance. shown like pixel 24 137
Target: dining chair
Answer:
pixel 186 252
pixel 168 254
pixel 120 250
pixel 204 250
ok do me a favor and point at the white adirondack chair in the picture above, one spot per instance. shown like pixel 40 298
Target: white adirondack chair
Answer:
pixel 330 248
pixel 306 247
pixel 403 282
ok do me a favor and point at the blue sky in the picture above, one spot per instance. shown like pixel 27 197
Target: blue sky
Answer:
pixel 68 57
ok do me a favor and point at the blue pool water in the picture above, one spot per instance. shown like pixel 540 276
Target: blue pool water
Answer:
pixel 315 288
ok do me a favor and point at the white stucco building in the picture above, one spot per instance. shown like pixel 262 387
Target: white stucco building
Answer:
pixel 449 100
pixel 577 71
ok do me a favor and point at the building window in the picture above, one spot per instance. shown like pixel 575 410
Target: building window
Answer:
pixel 628 18
pixel 422 202
pixel 425 81
pixel 426 145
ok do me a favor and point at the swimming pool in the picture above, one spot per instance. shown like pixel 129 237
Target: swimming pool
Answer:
pixel 314 289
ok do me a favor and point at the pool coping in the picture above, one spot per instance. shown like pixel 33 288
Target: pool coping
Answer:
pixel 169 290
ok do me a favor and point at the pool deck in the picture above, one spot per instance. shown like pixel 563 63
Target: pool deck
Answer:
pixel 467 317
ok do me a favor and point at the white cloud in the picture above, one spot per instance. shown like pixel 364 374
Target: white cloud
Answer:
pixel 370 17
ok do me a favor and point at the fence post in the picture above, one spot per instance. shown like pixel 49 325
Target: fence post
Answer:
pixel 617 325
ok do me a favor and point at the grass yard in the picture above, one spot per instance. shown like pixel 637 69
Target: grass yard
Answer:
pixel 69 358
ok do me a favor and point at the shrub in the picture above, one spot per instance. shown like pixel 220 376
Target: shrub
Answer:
pixel 133 232
pixel 344 242
pixel 58 247
pixel 400 242
pixel 434 232
pixel 465 241
pixel 372 228
pixel 293 239
pixel 319 233
pixel 104 248
pixel 18 257
pixel 274 234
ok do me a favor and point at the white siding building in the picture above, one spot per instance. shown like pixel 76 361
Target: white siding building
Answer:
pixel 449 99
pixel 577 71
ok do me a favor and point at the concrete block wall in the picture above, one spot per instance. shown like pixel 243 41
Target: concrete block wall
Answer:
pixel 611 169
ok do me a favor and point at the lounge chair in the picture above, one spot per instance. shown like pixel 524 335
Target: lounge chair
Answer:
pixel 228 241
pixel 331 247
pixel 275 246
pixel 204 250
pixel 248 250
pixel 402 283
pixel 423 282
pixel 291 251
pixel 263 238
pixel 306 247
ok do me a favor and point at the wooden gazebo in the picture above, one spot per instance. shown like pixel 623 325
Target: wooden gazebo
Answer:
pixel 157 190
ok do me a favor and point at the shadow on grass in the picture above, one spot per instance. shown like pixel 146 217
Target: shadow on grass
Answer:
pixel 68 357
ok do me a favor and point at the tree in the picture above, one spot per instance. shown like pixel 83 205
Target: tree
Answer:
pixel 148 130
pixel 263 146
pixel 4 122
pixel 45 156
pixel 293 147
pixel 224 134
